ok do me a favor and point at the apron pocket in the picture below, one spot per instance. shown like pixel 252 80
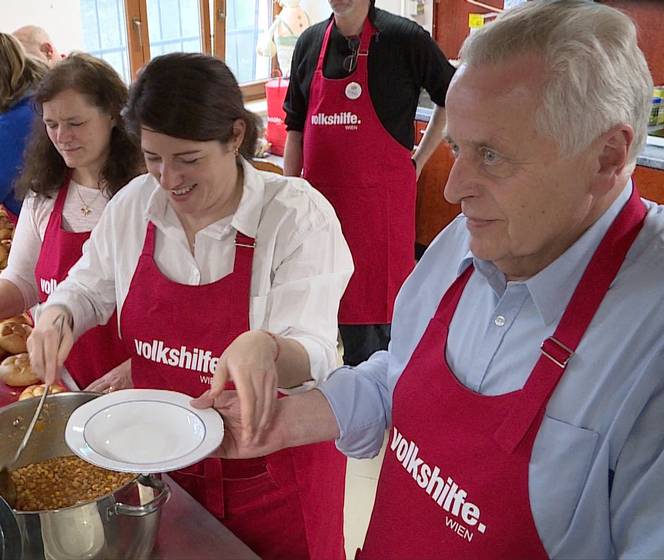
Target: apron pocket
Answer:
pixel 569 467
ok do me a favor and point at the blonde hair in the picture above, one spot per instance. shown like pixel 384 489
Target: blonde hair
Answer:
pixel 18 72
pixel 596 75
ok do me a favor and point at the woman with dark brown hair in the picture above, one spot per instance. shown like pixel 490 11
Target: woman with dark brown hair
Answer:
pixel 19 75
pixel 74 163
pixel 219 273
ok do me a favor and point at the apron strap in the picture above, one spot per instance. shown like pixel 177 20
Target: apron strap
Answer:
pixel 323 47
pixel 244 258
pixel 368 30
pixel 450 300
pixel 148 246
pixel 62 196
pixel 558 349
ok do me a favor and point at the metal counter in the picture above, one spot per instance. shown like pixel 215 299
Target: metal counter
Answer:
pixel 188 532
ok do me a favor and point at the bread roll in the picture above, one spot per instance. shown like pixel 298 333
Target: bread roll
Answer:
pixel 38 390
pixel 23 318
pixel 6 226
pixel 16 371
pixel 5 244
pixel 14 336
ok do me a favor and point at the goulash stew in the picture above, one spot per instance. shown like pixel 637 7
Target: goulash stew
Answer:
pixel 62 482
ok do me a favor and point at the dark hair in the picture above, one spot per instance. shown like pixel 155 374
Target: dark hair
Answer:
pixel 190 96
pixel 44 170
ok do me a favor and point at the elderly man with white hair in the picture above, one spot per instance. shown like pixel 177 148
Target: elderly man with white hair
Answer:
pixel 37 42
pixel 523 390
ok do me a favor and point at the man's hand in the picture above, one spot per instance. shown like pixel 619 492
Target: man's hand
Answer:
pixel 235 444
pixel 117 378
pixel 298 420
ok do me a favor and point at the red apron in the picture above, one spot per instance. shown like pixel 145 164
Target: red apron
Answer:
pixel 454 482
pixel 369 179
pixel 99 349
pixel 176 334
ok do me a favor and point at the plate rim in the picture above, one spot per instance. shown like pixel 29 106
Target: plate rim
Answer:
pixel 76 423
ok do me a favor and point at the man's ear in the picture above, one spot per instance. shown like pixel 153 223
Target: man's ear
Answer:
pixel 612 154
pixel 47 49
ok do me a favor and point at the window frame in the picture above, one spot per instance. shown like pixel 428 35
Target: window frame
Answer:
pixel 214 38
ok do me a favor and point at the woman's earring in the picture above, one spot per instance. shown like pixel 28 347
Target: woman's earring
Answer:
pixel 237 151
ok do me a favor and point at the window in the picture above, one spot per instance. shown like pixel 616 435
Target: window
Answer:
pixel 128 33
pixel 245 21
pixel 105 33
pixel 174 26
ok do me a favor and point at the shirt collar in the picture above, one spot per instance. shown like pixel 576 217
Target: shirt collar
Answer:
pixel 246 216
pixel 552 288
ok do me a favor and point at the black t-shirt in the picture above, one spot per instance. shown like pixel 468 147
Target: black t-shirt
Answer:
pixel 403 59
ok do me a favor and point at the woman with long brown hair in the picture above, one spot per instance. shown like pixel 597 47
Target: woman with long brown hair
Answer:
pixel 75 162
pixel 19 75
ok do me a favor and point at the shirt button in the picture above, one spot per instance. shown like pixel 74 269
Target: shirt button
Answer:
pixel 499 321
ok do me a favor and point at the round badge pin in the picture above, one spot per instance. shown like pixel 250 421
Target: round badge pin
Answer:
pixel 353 90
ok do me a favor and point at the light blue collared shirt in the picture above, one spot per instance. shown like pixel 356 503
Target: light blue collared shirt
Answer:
pixel 596 475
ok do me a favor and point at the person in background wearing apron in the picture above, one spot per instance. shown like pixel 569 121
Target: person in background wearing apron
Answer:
pixel 75 162
pixel 354 88
pixel 523 388
pixel 219 273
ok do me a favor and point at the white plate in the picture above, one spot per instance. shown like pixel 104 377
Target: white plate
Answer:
pixel 143 431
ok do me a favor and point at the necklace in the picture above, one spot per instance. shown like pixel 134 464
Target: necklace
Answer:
pixel 85 207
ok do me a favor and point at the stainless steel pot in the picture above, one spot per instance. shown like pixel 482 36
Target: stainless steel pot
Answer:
pixel 122 524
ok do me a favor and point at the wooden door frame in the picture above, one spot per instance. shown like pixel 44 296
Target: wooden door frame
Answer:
pixel 219 29
pixel 138 37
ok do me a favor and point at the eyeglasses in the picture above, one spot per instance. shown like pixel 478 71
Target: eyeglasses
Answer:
pixel 350 62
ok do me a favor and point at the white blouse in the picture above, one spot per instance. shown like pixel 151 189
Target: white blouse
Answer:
pixel 31 227
pixel 301 266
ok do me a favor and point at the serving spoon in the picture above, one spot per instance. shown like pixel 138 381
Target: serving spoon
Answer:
pixel 7 487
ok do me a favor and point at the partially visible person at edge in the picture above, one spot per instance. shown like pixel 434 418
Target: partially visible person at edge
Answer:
pixel 19 75
pixel 523 387
pixel 37 43
pixel 247 267
pixel 77 159
pixel 354 88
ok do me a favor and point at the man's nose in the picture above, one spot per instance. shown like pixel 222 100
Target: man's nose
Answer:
pixel 459 182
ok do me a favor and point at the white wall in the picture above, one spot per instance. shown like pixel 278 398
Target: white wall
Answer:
pixel 60 18
pixel 318 10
